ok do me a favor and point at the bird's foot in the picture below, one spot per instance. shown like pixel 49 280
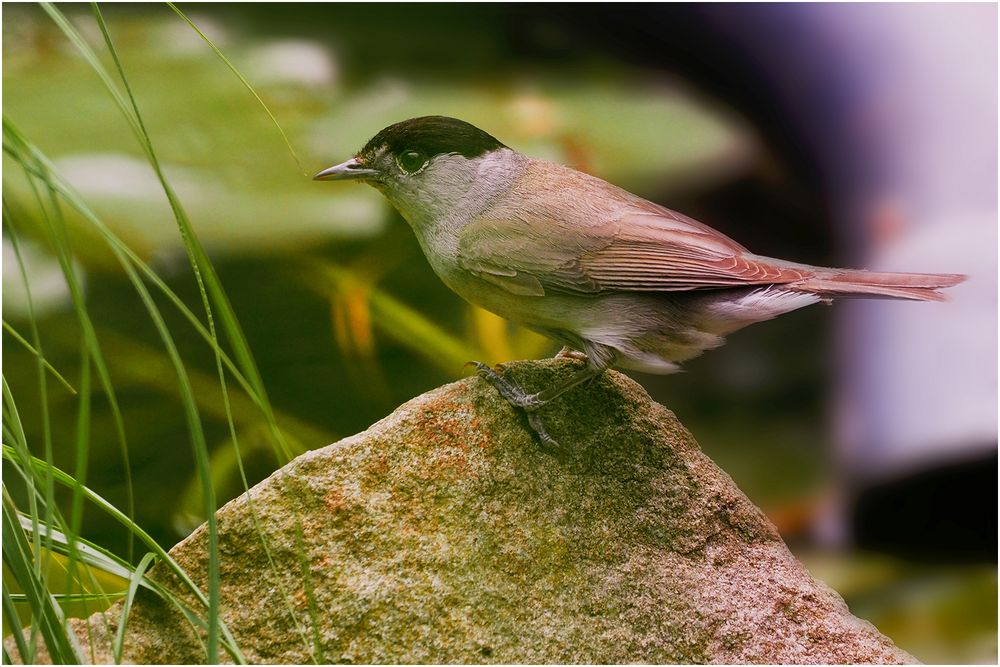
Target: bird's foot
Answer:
pixel 519 398
pixel 516 396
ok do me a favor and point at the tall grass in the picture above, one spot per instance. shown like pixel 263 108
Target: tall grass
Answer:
pixel 39 539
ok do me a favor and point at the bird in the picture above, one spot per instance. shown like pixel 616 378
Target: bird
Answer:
pixel 618 280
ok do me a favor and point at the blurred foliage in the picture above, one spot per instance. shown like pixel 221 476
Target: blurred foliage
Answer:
pixel 940 614
pixel 343 315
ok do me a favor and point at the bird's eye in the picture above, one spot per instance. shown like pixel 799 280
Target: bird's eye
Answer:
pixel 411 161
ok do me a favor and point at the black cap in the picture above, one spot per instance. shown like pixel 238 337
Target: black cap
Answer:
pixel 433 135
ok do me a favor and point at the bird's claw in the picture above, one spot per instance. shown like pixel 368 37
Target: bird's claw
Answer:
pixel 548 442
pixel 518 398
pixel 510 391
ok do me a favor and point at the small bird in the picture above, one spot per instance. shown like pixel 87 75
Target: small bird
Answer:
pixel 610 275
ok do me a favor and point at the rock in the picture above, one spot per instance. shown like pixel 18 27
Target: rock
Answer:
pixel 445 534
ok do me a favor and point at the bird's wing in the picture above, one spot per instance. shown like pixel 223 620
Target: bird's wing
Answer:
pixel 647 248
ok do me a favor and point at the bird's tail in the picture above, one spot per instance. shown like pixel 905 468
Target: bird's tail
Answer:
pixel 915 286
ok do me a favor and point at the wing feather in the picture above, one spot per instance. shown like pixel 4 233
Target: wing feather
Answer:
pixel 644 248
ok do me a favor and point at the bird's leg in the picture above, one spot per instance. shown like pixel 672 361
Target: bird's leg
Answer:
pixel 519 398
pixel 552 393
pixel 535 421
pixel 531 403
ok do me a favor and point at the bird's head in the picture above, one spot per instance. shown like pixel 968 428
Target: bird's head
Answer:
pixel 428 166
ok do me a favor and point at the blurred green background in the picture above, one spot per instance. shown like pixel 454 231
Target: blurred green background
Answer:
pixel 344 316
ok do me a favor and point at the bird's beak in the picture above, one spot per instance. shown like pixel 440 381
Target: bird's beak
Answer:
pixel 350 170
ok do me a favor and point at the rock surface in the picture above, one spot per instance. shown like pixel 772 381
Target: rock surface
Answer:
pixel 445 534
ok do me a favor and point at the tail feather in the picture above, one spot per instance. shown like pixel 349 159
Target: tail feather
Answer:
pixel 915 286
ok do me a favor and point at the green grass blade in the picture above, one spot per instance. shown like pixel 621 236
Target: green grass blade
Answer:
pixel 198 261
pixel 112 564
pixel 59 640
pixel 203 269
pixel 133 586
pixel 73 35
pixel 122 252
pixel 317 643
pixel 204 272
pixel 88 552
pixel 143 364
pixel 49 499
pixel 13 432
pixel 66 598
pixel 60 564
pixel 190 410
pixel 244 81
pixel 200 448
pixel 60 476
pixel 47 444
pixel 82 462
pixel 13 620
pixel 37 164
pixel 28 346
pixel 55 228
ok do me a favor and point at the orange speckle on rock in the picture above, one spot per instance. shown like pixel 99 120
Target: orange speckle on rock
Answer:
pixel 299 596
pixel 334 500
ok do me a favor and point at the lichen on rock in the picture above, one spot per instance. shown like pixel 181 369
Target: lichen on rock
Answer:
pixel 446 534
